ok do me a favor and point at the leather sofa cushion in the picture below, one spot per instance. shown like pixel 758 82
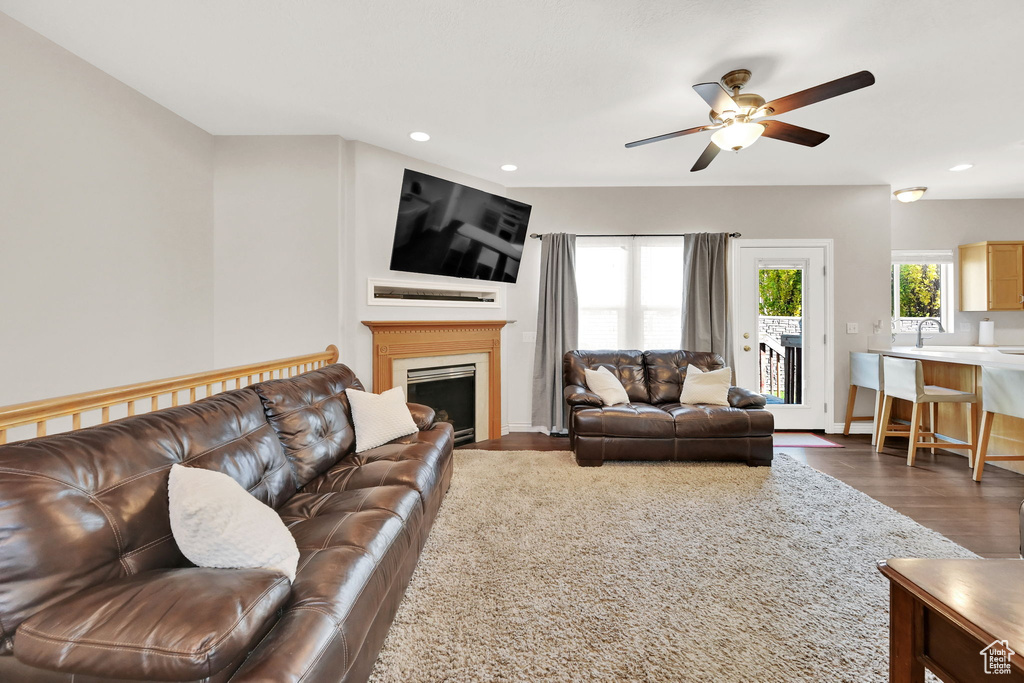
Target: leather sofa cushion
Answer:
pixel 638 420
pixel 323 520
pixel 709 421
pixel 627 366
pixel 164 625
pixel 312 417
pixel 352 547
pixel 87 507
pixel 412 461
pixel 666 371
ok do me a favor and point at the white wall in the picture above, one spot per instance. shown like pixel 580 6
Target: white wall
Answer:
pixel 278 221
pixel 373 186
pixel 945 224
pixel 856 218
pixel 106 228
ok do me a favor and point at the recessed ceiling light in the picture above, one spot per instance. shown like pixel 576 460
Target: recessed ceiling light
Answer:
pixel 419 136
pixel 509 167
pixel 962 167
pixel 910 194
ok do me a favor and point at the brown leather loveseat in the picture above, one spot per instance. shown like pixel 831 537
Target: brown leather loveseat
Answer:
pixel 654 425
pixel 93 587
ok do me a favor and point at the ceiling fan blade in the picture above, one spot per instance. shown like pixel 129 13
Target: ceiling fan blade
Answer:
pixel 717 97
pixel 706 157
pixel 795 134
pixel 840 86
pixel 668 136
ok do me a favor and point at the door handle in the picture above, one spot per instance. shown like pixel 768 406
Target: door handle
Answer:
pixel 746 348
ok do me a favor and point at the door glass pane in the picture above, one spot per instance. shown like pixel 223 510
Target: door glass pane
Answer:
pixel 780 334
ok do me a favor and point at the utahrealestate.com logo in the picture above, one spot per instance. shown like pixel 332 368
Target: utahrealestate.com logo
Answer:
pixel 997 657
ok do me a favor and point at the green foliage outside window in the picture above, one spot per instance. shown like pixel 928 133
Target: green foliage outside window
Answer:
pixel 781 292
pixel 920 291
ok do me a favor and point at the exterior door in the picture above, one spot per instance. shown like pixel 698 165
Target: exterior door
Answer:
pixel 779 328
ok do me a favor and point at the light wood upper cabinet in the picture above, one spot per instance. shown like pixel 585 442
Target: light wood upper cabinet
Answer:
pixel 992 276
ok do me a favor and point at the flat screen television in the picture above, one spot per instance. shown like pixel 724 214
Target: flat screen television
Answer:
pixel 445 228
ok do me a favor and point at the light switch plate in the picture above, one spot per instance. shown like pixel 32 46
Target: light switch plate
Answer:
pixel 852 328
pixel 529 337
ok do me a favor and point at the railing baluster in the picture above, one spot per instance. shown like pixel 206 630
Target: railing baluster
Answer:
pixel 41 428
pixel 131 408
pixel 76 422
pixel 105 415
pixel 191 394
pixel 154 403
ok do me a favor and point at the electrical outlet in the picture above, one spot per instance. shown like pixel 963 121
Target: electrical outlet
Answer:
pixel 876 327
pixel 529 337
pixel 852 328
pixel 963 327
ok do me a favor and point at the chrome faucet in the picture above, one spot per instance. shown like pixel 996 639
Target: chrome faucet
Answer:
pixel 920 339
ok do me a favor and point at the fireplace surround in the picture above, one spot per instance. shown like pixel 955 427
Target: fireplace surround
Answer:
pixel 400 346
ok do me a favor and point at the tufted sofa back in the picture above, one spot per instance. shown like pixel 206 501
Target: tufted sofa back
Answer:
pixel 312 417
pixel 648 376
pixel 627 366
pixel 87 507
pixel 666 371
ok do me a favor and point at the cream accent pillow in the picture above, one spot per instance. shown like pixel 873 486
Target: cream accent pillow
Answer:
pixel 606 385
pixel 216 523
pixel 379 418
pixel 711 388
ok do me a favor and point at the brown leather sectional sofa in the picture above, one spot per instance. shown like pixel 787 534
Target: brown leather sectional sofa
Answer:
pixel 93 587
pixel 654 425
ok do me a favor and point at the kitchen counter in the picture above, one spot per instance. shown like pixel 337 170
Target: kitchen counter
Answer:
pixel 959 367
pixel 991 356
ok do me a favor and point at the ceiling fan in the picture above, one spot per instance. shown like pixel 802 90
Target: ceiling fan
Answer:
pixel 740 119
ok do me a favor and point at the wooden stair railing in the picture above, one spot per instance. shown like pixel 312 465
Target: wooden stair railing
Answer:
pixel 198 385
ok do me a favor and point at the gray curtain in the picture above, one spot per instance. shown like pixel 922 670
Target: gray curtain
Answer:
pixel 705 308
pixel 557 328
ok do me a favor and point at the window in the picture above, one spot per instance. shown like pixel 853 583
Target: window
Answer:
pixel 922 287
pixel 630 292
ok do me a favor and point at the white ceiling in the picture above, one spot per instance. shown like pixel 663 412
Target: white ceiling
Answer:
pixel 558 87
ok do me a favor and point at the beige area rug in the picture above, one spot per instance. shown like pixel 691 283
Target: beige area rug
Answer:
pixel 539 570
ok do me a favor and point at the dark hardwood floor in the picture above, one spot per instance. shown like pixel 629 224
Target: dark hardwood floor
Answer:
pixel 938 491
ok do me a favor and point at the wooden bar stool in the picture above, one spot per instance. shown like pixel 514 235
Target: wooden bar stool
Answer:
pixel 1002 392
pixel 866 372
pixel 904 379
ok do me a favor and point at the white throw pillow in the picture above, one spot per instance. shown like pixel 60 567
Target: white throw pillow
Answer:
pixel 711 388
pixel 217 523
pixel 379 418
pixel 606 385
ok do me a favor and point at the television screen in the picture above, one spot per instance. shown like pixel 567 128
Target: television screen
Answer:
pixel 445 228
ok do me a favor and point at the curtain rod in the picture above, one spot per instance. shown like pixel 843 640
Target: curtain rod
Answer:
pixel 537 236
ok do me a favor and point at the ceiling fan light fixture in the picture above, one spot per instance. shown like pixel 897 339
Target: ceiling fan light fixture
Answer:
pixel 910 194
pixel 736 136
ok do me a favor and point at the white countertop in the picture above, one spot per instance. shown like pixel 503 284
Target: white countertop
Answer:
pixel 992 356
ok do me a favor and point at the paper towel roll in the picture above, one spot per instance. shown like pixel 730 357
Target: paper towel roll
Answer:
pixel 986 333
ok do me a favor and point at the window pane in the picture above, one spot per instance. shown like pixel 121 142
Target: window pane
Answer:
pixel 920 290
pixel 662 328
pixel 661 276
pixel 601 276
pixel 599 328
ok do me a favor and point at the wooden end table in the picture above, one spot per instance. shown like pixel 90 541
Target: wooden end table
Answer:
pixel 961 619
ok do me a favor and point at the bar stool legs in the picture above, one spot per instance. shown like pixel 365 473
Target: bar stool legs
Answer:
pixel 850 400
pixel 915 428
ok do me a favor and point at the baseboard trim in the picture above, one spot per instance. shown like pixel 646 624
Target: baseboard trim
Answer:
pixel 525 427
pixel 855 427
